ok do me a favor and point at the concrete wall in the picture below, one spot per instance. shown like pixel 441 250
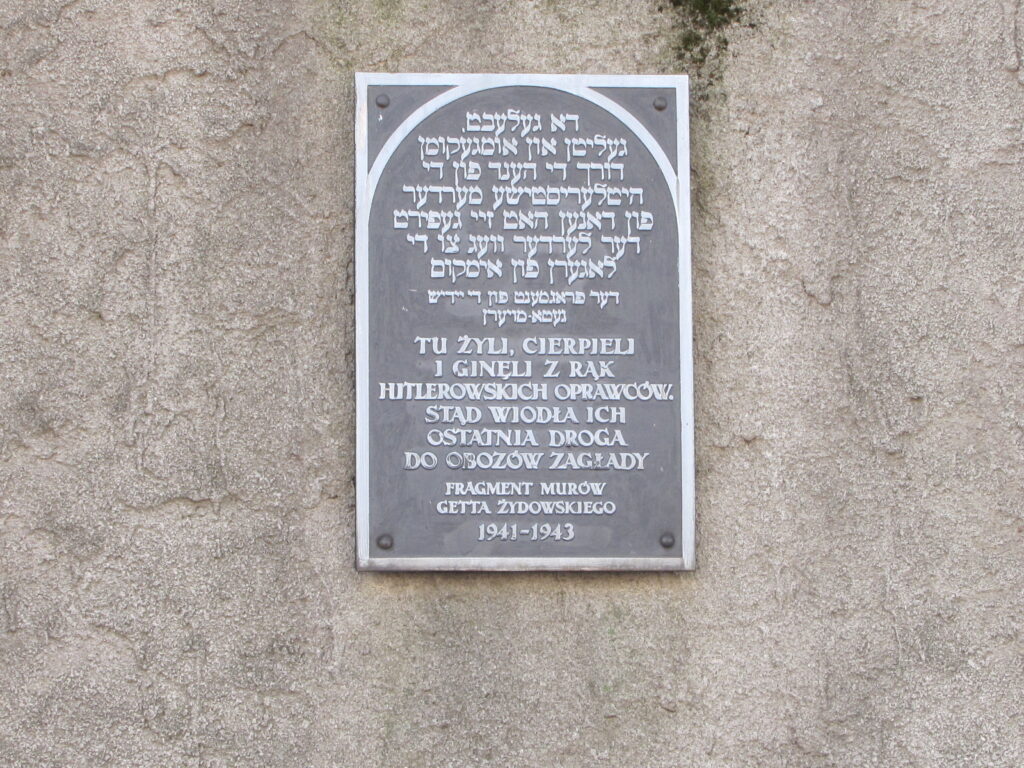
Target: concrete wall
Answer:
pixel 176 402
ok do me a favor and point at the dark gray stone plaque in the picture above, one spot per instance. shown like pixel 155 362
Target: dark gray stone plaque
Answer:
pixel 524 374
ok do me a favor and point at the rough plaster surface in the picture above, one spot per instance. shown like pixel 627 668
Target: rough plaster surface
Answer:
pixel 176 403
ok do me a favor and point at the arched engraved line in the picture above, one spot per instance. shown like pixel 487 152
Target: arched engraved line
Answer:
pixel 588 94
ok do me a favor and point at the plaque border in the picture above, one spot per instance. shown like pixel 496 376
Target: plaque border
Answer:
pixel 679 184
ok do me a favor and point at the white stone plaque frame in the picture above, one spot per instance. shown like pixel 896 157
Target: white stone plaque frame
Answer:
pixel 366 180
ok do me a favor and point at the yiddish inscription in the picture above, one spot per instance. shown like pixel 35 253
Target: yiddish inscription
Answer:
pixel 523 318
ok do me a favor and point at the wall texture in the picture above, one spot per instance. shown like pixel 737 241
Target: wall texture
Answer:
pixel 176 402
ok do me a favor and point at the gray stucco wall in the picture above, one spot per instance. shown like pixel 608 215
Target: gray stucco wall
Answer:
pixel 176 402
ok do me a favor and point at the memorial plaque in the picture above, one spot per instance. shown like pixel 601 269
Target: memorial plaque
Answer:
pixel 523 319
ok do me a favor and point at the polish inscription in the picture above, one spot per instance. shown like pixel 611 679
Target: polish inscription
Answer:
pixel 524 338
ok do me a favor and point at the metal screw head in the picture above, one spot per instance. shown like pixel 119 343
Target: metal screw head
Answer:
pixel 660 102
pixel 383 100
pixel 667 540
pixel 384 541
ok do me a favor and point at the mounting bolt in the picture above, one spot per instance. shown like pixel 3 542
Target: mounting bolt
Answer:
pixel 384 541
pixel 667 540
pixel 383 101
pixel 660 102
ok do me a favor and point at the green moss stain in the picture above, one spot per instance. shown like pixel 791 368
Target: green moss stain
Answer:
pixel 700 32
pixel 711 13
